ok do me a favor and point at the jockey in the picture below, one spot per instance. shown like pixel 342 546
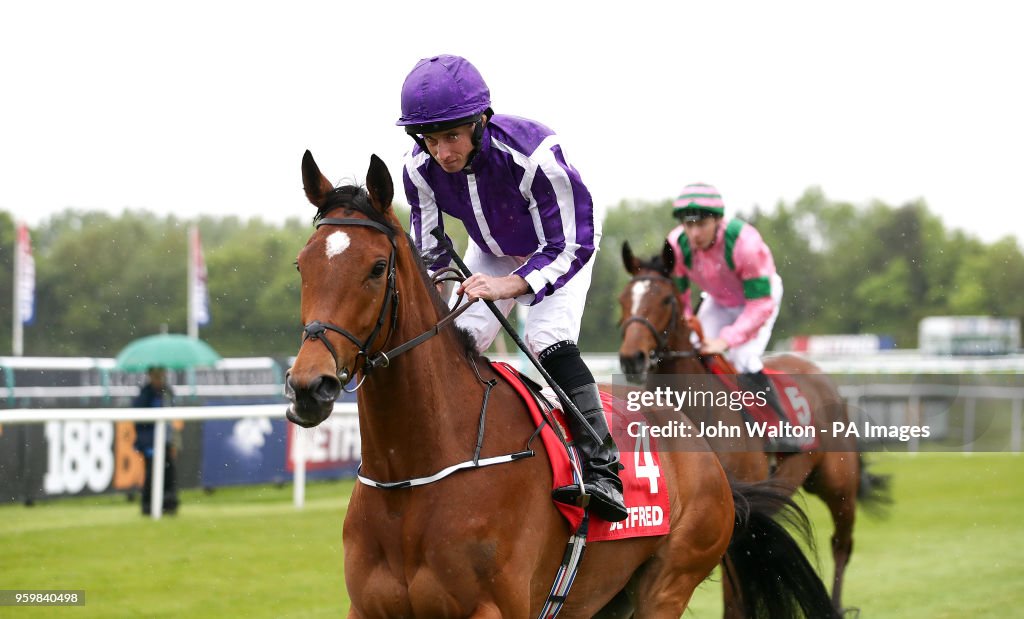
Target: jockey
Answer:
pixel 734 267
pixel 532 231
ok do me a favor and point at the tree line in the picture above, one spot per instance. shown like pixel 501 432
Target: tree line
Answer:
pixel 103 280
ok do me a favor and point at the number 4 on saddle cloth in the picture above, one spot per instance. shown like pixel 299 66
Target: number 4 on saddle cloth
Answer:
pixel 794 404
pixel 642 483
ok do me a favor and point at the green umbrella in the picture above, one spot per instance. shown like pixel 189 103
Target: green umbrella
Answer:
pixel 169 350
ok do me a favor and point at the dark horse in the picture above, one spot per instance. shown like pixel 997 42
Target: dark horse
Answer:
pixel 486 542
pixel 656 342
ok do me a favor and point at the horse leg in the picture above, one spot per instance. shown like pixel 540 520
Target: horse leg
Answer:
pixel 794 469
pixel 746 466
pixel 488 610
pixel 696 545
pixel 620 607
pixel 835 481
pixel 731 607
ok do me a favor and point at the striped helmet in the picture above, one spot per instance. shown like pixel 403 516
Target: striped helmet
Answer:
pixel 698 201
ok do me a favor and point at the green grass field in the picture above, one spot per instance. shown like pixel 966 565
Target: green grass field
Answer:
pixel 950 548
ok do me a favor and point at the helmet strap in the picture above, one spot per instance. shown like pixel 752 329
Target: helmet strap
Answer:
pixel 476 138
pixel 478 135
pixel 714 237
pixel 420 141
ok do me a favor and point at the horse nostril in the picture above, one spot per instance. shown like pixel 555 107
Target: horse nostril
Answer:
pixel 325 388
pixel 630 363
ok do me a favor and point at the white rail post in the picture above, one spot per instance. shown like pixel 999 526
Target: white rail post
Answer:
pixel 156 486
pixel 969 425
pixel 298 466
pixel 1015 426
pixel 914 419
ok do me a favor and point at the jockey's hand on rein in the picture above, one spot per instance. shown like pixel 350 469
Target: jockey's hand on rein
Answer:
pixel 491 288
pixel 716 346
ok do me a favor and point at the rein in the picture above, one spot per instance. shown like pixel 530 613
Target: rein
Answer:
pixel 317 330
pixel 661 336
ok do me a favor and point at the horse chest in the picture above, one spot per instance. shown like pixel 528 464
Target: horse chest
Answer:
pixel 431 585
pixel 433 570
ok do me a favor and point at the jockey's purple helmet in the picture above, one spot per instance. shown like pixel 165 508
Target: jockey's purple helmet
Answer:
pixel 442 92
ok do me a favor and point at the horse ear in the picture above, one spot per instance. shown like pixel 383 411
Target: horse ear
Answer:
pixel 629 261
pixel 316 184
pixel 668 259
pixel 378 183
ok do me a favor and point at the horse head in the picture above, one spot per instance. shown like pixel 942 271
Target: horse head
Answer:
pixel 349 298
pixel 652 322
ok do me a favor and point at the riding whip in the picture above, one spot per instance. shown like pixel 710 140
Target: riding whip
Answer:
pixel 567 403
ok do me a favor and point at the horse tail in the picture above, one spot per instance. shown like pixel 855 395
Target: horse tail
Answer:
pixel 874 493
pixel 766 564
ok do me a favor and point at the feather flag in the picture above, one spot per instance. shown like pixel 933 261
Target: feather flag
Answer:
pixel 25 278
pixel 199 296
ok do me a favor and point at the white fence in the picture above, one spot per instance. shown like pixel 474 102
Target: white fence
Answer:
pixel 899 402
pixel 185 413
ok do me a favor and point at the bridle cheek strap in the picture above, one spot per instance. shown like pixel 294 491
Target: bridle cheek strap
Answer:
pixel 661 336
pixel 317 330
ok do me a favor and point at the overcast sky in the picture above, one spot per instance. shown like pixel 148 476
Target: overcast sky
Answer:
pixel 206 107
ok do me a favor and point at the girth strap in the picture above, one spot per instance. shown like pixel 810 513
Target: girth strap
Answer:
pixel 445 472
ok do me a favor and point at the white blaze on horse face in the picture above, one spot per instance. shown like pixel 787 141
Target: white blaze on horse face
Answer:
pixel 640 290
pixel 337 243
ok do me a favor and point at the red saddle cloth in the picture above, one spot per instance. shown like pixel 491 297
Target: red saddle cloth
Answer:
pixel 643 485
pixel 794 403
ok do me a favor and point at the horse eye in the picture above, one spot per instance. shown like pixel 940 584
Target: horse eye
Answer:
pixel 378 269
pixel 666 301
pixel 296 263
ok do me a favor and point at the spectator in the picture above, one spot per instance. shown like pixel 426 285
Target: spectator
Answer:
pixel 156 392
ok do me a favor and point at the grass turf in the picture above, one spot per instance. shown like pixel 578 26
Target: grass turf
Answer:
pixel 949 548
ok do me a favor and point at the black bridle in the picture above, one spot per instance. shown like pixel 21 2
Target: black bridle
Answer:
pixel 661 336
pixel 317 329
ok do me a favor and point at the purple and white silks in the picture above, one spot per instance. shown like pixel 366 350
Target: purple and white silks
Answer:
pixel 518 198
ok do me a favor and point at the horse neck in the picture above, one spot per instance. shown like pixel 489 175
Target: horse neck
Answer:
pixel 679 341
pixel 415 412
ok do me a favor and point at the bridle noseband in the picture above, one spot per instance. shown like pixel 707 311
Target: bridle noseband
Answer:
pixel 661 336
pixel 317 330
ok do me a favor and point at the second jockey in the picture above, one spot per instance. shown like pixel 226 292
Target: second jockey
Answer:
pixel 733 265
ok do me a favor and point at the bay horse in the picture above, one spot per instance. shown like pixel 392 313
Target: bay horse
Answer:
pixel 656 342
pixel 486 542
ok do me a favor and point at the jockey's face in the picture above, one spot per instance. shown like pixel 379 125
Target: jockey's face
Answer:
pixel 451 148
pixel 701 233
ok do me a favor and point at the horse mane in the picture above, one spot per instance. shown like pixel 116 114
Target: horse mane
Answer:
pixel 654 264
pixel 352 198
pixel 462 336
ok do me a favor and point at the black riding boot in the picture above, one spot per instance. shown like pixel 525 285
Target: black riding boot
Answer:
pixel 758 382
pixel 600 460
